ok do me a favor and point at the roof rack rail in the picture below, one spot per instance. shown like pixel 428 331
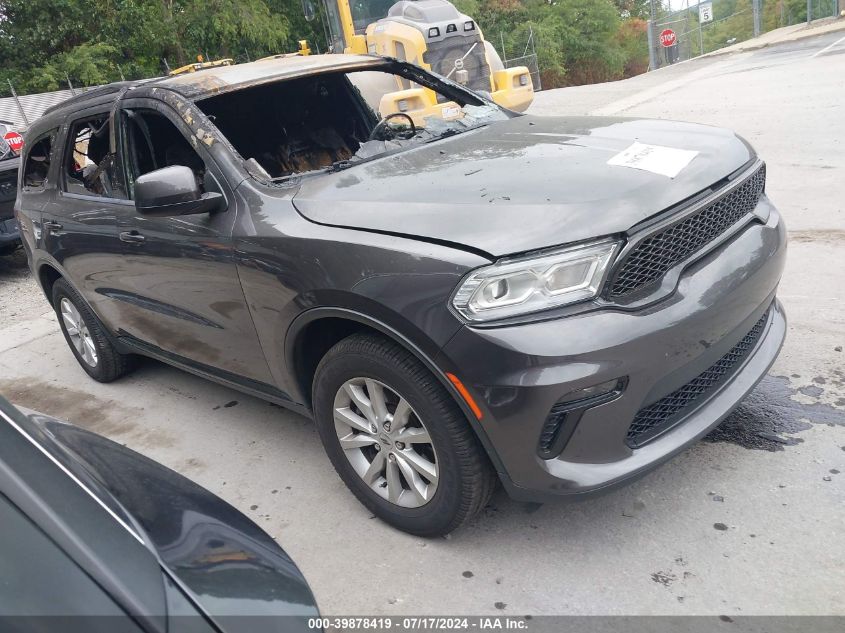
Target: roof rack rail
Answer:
pixel 108 89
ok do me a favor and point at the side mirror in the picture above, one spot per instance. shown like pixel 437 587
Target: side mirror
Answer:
pixel 173 191
pixel 308 10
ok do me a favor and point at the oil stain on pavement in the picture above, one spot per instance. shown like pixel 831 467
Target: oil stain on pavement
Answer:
pixel 108 417
pixel 769 417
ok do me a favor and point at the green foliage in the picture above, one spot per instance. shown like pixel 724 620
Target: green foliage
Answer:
pixel 228 27
pixel 640 9
pixel 89 64
pixel 94 41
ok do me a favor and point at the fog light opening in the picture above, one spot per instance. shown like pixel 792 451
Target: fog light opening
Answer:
pixel 593 391
pixel 565 415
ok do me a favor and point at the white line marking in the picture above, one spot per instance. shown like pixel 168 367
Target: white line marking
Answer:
pixel 827 48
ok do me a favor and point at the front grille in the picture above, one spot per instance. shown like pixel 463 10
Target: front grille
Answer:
pixel 442 55
pixel 669 410
pixel 656 255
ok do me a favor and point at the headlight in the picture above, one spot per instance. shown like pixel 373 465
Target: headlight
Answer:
pixel 520 286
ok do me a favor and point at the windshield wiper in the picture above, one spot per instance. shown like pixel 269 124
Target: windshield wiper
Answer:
pixel 455 131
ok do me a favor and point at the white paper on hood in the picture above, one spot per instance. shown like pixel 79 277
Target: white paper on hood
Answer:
pixel 666 161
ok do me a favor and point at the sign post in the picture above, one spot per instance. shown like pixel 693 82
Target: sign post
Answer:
pixel 652 52
pixel 705 14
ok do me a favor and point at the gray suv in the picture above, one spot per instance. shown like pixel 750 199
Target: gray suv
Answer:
pixel 457 294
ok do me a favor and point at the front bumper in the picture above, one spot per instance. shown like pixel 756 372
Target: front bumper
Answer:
pixel 518 373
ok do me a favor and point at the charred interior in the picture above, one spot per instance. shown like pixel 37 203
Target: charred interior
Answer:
pixel 294 126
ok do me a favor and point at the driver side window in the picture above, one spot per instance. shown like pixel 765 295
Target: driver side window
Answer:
pixel 151 141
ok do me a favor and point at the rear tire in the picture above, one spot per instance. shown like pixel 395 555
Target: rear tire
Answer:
pixel 86 336
pixel 415 463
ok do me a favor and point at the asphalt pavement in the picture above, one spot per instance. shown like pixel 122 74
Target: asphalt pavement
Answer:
pixel 750 521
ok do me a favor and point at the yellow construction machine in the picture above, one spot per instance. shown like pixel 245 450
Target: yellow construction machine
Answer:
pixel 432 34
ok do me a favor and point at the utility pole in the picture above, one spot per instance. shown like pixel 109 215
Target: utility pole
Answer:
pixel 652 24
pixel 700 34
pixel 755 7
pixel 809 11
pixel 18 103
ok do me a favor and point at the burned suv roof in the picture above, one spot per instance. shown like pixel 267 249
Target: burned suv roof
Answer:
pixel 203 83
pixel 211 81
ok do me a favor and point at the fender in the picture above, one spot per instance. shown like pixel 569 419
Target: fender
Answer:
pixel 315 314
pixel 43 261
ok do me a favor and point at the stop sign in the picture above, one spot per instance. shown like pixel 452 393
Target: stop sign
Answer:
pixel 14 140
pixel 668 37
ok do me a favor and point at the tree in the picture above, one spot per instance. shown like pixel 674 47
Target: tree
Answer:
pixel 634 8
pixel 94 41
pixel 231 27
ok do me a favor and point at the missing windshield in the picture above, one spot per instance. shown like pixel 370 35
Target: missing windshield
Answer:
pixel 336 119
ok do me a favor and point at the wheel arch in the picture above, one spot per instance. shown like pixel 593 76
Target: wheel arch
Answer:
pixel 304 348
pixel 48 275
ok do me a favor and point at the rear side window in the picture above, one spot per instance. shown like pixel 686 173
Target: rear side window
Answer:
pixel 88 168
pixel 37 164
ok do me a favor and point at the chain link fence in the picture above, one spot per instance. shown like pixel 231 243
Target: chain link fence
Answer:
pixel 706 26
pixel 527 57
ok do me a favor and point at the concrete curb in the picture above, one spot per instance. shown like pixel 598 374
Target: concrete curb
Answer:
pixel 813 30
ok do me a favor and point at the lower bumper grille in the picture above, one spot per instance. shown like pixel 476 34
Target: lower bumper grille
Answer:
pixel 659 417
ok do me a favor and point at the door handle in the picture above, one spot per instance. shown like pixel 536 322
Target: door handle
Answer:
pixel 52 226
pixel 133 237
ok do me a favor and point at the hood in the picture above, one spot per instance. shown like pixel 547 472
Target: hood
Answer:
pixel 228 565
pixel 522 184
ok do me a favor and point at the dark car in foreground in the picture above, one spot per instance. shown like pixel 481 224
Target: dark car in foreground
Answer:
pixel 99 538
pixel 458 294
pixel 10 161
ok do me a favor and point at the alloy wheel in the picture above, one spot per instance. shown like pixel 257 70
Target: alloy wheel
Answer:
pixel 386 443
pixel 78 332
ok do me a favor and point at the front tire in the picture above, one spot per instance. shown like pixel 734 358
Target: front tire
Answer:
pixel 86 336
pixel 397 438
